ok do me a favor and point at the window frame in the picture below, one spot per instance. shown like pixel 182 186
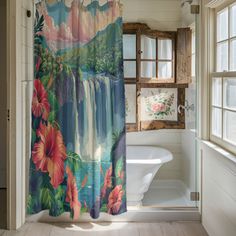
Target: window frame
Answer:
pixel 140 29
pixel 221 141
pixel 159 35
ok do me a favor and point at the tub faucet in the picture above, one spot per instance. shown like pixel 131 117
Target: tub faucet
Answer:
pixel 186 107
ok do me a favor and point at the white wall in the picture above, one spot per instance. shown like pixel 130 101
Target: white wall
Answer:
pixel 218 192
pixel 169 139
pixel 168 15
pixel 3 95
pixel 158 14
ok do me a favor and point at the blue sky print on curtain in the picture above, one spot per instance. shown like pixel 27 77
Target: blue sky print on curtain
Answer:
pixel 78 110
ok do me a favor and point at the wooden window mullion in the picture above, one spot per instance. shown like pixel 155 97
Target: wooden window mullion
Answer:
pixel 138 87
pixel 157 57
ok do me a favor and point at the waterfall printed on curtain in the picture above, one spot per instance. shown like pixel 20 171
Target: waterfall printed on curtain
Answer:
pixel 78 158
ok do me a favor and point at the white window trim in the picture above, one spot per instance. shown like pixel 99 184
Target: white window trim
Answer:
pixel 212 73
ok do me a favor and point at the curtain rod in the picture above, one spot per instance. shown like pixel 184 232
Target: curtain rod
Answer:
pixel 82 1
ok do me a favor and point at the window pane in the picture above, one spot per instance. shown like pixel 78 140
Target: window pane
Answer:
pixel 230 93
pixel 148 69
pixel 233 54
pixel 129 46
pixel 217 92
pixel 130 103
pixel 230 126
pixel 233 20
pixel 222 57
pixel 164 49
pixel 216 121
pixel 164 70
pixel 148 47
pixel 222 25
pixel 130 69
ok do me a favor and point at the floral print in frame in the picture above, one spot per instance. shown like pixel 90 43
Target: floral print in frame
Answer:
pixel 159 104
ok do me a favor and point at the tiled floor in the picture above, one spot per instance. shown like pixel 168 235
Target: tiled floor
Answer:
pixel 169 197
pixel 110 229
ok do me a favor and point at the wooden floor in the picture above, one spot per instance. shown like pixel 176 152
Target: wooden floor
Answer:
pixel 110 229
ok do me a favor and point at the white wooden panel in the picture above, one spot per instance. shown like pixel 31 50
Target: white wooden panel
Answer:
pixel 189 159
pixel 218 192
pixel 169 139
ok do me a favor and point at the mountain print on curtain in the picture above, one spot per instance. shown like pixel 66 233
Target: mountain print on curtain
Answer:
pixel 78 159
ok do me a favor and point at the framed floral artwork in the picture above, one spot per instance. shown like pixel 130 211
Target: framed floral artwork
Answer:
pixel 159 104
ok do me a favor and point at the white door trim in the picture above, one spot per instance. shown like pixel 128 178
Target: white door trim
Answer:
pixel 15 168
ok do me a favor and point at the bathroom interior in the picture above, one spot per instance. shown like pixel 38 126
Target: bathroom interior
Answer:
pixel 159 50
pixel 174 183
pixel 168 163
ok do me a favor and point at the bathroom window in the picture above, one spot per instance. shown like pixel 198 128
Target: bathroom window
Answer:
pixel 223 80
pixel 157 58
pixel 153 90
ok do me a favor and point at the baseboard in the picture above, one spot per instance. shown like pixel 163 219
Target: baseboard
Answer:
pixel 138 215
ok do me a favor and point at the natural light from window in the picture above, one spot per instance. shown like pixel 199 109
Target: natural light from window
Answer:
pixel 223 82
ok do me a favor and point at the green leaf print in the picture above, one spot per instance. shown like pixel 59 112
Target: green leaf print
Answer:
pixel 53 101
pixel 33 136
pixel 73 161
pixel 30 204
pixel 59 193
pixel 46 197
pixel 104 208
pixel 45 80
pixel 119 168
pixel 52 116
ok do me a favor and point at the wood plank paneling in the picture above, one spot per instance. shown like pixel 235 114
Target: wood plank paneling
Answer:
pixel 183 56
pixel 218 192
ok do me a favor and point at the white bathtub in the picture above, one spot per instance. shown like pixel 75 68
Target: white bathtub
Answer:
pixel 143 162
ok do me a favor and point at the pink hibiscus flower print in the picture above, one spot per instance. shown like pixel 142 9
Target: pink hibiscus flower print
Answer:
pixel 115 200
pixel 107 181
pixel 72 194
pixel 40 104
pixel 49 153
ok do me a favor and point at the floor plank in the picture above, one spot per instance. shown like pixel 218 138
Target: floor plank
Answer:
pixel 114 229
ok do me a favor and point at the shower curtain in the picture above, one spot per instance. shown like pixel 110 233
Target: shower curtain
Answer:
pixel 78 156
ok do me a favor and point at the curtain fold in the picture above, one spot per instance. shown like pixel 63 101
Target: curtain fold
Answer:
pixel 78 153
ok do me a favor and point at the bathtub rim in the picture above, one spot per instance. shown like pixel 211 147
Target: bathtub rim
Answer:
pixel 158 160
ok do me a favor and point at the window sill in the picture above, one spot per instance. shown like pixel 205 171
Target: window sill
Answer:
pixel 223 152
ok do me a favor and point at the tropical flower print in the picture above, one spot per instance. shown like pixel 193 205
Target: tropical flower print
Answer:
pixel 72 194
pixel 115 200
pixel 40 104
pixel 107 181
pixel 77 159
pixel 49 153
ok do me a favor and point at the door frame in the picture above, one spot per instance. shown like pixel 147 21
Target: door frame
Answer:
pixel 15 160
